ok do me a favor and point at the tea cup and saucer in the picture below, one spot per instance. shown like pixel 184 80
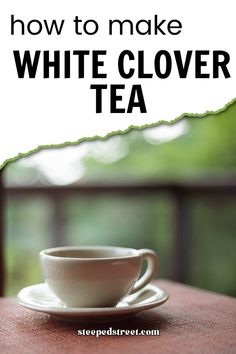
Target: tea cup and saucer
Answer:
pixel 94 283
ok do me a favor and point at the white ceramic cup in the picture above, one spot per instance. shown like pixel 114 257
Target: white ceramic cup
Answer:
pixel 96 276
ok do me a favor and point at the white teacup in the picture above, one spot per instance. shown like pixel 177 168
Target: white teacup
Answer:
pixel 96 276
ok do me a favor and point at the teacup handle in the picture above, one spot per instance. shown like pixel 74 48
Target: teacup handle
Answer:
pixel 152 266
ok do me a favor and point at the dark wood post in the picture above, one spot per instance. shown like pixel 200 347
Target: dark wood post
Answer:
pixel 2 202
pixel 58 233
pixel 182 237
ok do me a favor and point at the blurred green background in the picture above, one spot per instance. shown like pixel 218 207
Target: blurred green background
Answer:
pixel 193 149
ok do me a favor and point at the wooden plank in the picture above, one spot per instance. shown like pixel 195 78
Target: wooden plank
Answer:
pixel 225 187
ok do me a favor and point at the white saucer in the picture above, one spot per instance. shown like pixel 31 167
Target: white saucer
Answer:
pixel 39 298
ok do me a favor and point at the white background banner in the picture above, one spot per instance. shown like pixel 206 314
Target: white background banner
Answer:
pixel 44 111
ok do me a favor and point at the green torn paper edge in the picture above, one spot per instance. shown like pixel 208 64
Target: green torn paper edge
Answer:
pixel 119 132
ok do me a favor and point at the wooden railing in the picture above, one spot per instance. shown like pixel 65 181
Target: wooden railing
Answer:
pixel 180 191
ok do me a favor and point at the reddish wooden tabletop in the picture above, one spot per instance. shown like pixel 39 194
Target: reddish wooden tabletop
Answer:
pixel 192 321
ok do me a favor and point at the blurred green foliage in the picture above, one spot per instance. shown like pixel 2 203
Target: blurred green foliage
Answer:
pixel 205 149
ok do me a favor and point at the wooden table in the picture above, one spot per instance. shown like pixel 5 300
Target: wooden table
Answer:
pixel 192 321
